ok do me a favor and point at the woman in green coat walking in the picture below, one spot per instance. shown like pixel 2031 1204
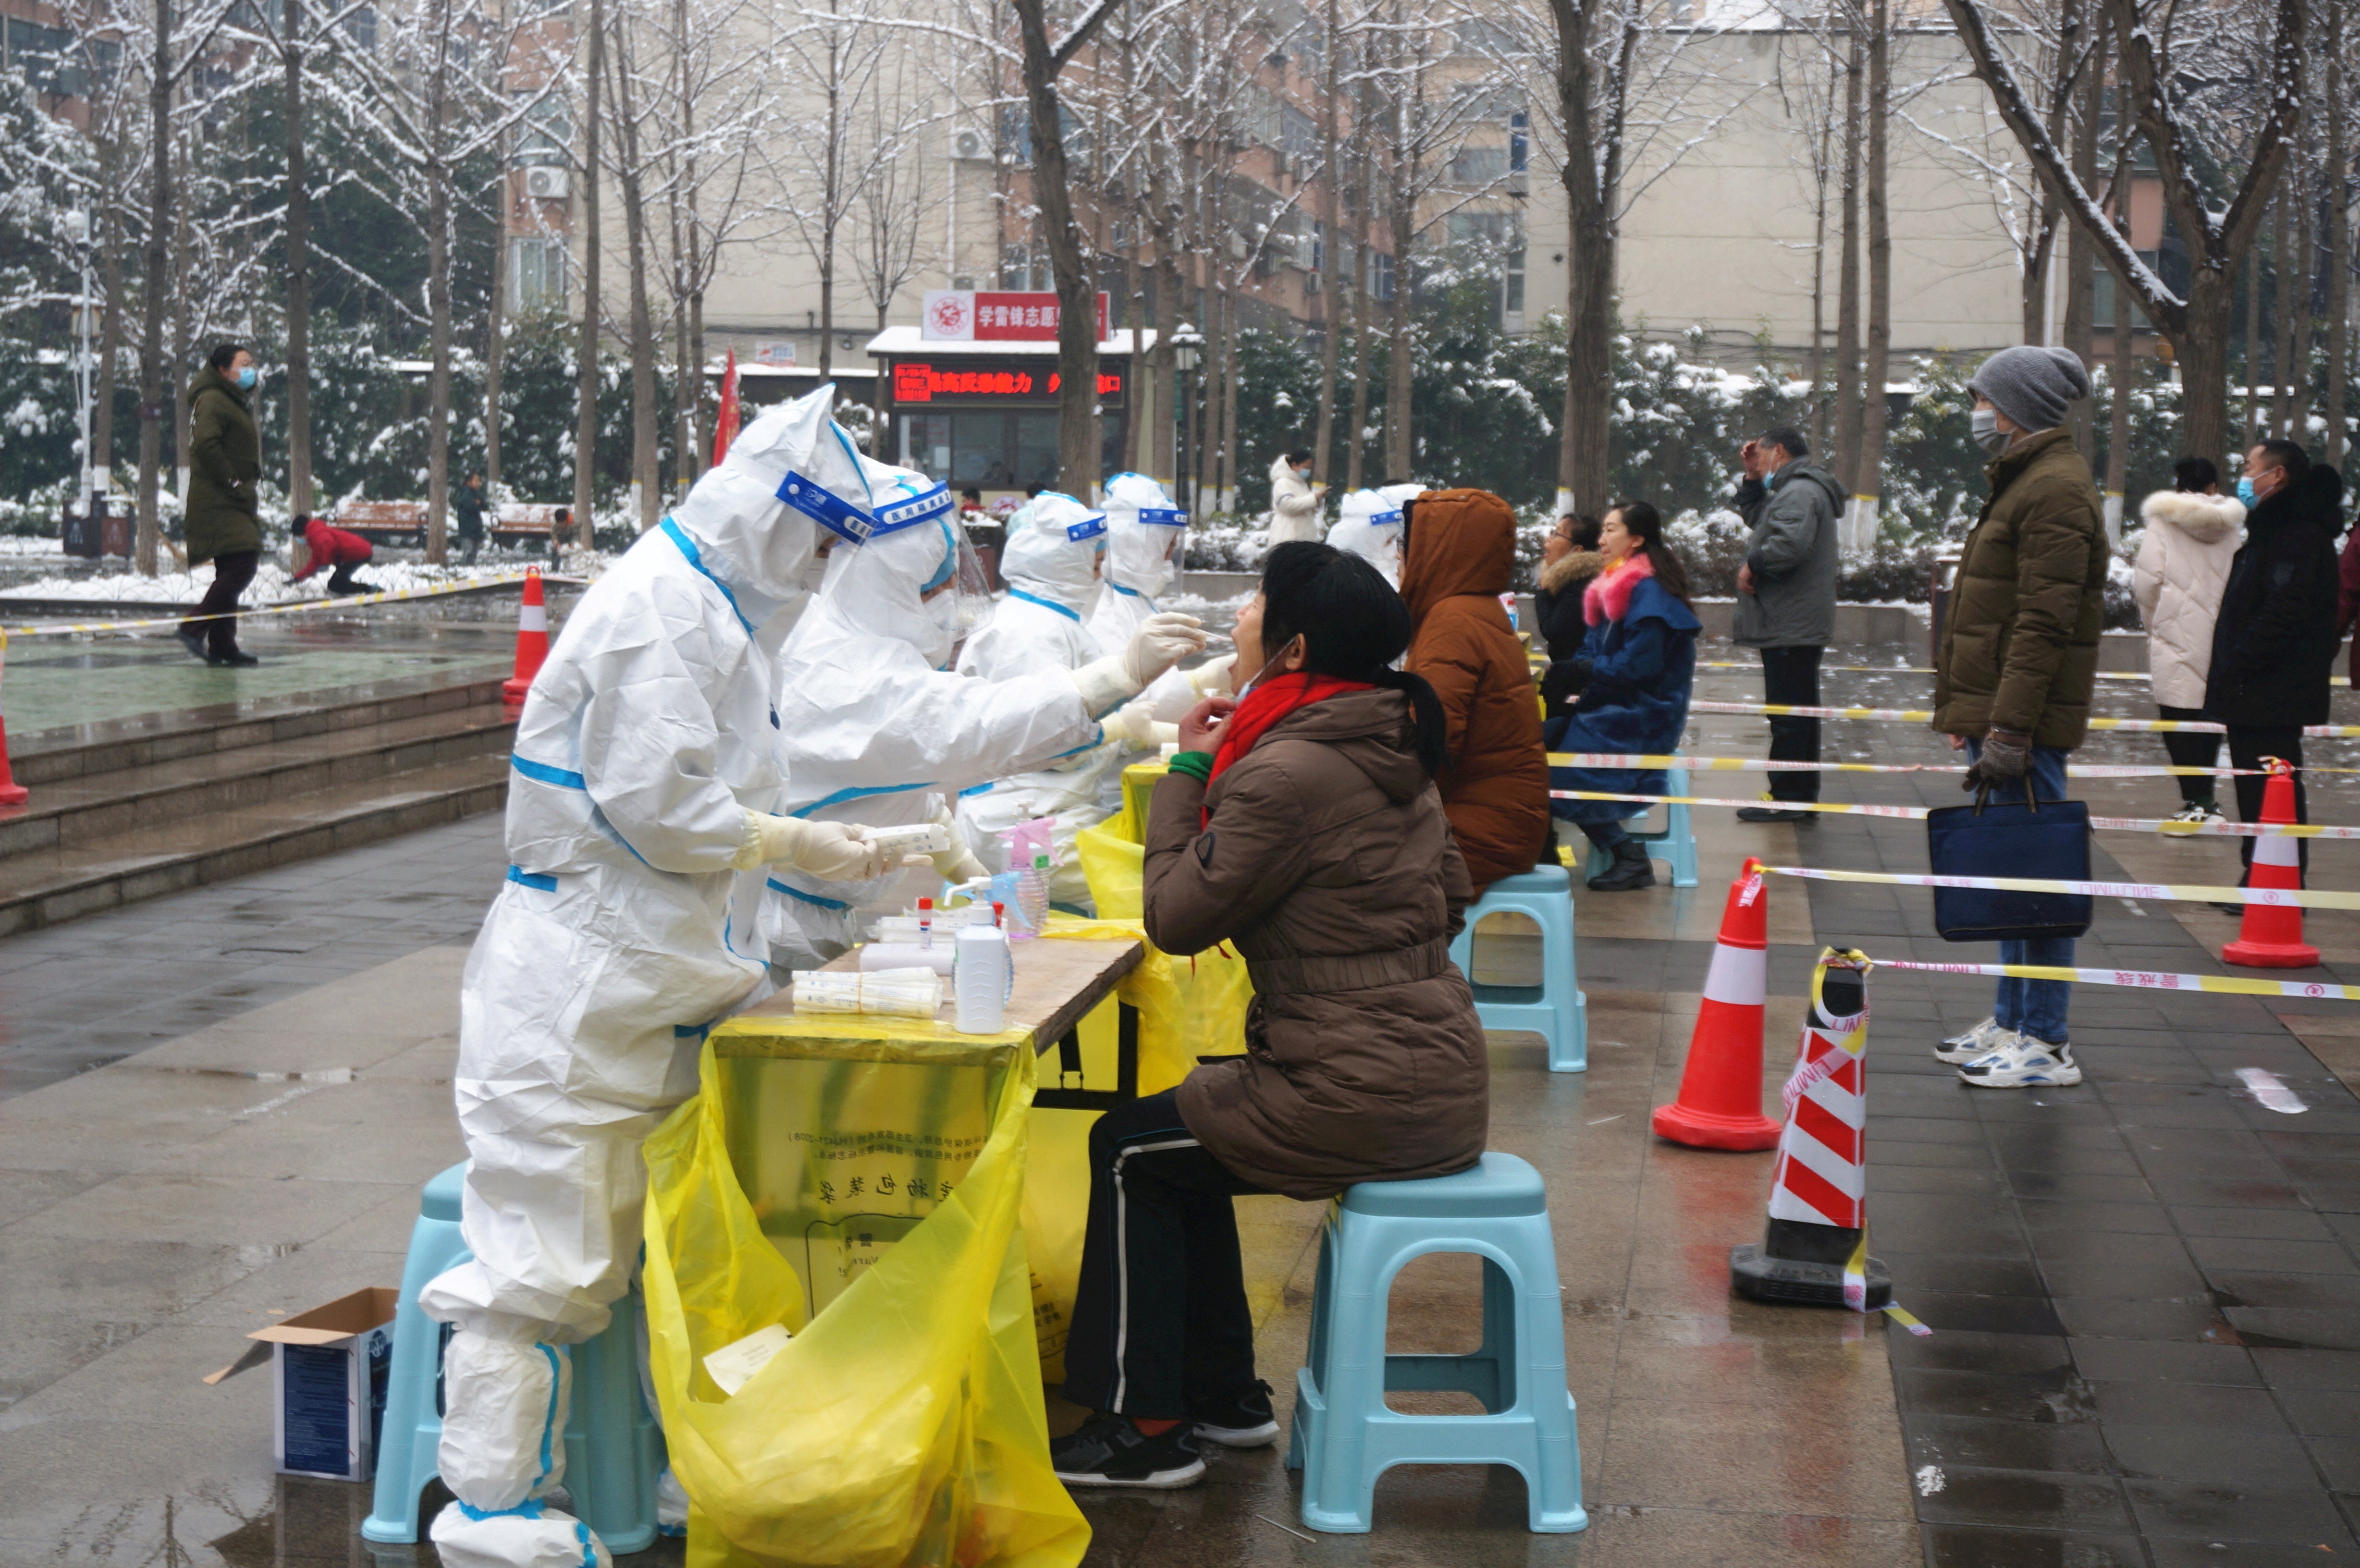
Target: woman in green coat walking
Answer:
pixel 220 519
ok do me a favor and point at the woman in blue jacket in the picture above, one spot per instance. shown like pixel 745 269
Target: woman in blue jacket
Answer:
pixel 1634 673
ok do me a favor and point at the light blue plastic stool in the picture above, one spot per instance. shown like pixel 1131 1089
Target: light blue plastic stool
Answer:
pixel 1344 1437
pixel 1562 1014
pixel 1674 842
pixel 614 1449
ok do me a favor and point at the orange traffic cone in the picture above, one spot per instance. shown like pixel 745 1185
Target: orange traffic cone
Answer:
pixel 532 643
pixel 1721 1092
pixel 11 792
pixel 2271 934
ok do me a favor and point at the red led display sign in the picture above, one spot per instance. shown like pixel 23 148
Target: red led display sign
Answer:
pixel 990 381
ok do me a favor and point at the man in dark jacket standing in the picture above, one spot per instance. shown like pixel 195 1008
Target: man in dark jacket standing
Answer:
pixel 2019 660
pixel 2274 641
pixel 220 518
pixel 469 507
pixel 1786 599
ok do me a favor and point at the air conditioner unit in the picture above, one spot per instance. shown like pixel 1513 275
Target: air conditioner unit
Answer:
pixel 548 184
pixel 970 145
pixel 1237 248
pixel 1311 283
pixel 1306 249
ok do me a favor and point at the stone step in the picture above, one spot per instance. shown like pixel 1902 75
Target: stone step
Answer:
pixel 45 756
pixel 44 886
pixel 93 809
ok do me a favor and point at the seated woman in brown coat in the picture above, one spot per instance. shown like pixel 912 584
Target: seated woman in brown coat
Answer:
pixel 1301 824
pixel 1459 553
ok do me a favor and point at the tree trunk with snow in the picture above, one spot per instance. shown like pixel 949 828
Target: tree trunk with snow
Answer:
pixel 299 271
pixel 585 364
pixel 1868 472
pixel 1845 454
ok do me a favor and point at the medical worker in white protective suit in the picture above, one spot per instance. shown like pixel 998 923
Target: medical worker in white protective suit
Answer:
pixel 612 947
pixel 1144 535
pixel 880 729
pixel 1369 525
pixel 1051 566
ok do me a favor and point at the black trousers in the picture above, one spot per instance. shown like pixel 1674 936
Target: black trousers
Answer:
pixel 1161 1329
pixel 340 581
pixel 2249 743
pixel 2194 751
pixel 232 573
pixel 1790 677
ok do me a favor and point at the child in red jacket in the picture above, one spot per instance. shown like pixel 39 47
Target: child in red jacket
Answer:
pixel 333 546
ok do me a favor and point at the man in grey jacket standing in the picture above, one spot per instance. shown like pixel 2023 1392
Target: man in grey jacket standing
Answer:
pixel 1786 600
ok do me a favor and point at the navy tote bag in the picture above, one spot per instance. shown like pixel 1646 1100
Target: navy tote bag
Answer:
pixel 2047 840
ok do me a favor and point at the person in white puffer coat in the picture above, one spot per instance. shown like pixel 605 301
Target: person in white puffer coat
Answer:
pixel 2192 534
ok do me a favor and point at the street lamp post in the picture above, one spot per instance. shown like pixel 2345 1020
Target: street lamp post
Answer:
pixel 1186 343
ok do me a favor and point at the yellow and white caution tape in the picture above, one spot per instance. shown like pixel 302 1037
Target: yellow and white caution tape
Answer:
pixel 1928 670
pixel 1772 765
pixel 2141 979
pixel 345 602
pixel 2284 898
pixel 1925 715
pixel 2171 826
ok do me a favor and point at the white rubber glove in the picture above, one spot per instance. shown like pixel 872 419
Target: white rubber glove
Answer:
pixel 1134 725
pixel 1213 678
pixel 1104 685
pixel 1162 641
pixel 832 852
pixel 956 864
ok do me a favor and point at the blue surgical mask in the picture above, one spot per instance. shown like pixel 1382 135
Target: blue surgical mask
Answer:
pixel 1983 424
pixel 2246 493
pixel 246 378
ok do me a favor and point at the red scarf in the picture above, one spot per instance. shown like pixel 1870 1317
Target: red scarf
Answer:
pixel 1267 703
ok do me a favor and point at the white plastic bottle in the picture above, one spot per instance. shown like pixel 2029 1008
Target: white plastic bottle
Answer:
pixel 981 978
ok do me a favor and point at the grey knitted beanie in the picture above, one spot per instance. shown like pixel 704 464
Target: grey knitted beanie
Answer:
pixel 2032 385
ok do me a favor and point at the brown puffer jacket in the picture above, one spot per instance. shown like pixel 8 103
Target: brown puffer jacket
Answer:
pixel 1329 863
pixel 2020 638
pixel 1455 563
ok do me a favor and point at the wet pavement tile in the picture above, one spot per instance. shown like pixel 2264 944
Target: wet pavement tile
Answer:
pixel 1973 1546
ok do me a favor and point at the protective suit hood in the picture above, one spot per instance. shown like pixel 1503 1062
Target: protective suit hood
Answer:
pixel 749 534
pixel 878 588
pixel 1053 553
pixel 1144 531
pixel 1370 526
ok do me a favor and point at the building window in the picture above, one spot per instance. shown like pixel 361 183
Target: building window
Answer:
pixel 538 268
pixel 1381 265
pixel 1298 133
pixel 1520 143
pixel 1479 165
pixel 546 131
pixel 43 57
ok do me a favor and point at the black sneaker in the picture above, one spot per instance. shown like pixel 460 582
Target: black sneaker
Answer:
pixel 1245 1421
pixel 236 658
pixel 1772 815
pixel 1108 1451
pixel 196 643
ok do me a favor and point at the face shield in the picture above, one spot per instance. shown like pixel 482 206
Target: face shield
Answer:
pixel 751 533
pixel 1146 535
pixel 910 574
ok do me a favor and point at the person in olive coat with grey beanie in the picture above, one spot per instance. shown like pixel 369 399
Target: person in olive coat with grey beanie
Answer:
pixel 1786 599
pixel 221 518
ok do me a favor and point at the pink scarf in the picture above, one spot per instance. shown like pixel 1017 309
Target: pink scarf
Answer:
pixel 1608 596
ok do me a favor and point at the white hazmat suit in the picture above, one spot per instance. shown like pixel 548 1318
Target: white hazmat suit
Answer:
pixel 1144 535
pixel 1370 527
pixel 1052 567
pixel 648 735
pixel 879 731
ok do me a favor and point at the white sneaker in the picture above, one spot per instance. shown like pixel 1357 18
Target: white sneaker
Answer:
pixel 2022 1062
pixel 1979 1041
pixel 2199 814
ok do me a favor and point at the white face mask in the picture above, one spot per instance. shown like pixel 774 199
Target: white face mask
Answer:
pixel 1984 423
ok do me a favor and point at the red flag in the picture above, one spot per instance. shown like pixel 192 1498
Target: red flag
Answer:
pixel 724 428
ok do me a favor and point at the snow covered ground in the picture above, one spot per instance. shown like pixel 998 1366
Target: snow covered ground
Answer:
pixel 271 584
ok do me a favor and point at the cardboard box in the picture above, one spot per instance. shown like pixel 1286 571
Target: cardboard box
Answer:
pixel 328 1373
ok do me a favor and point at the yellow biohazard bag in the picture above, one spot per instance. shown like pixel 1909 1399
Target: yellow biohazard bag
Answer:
pixel 862 1194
